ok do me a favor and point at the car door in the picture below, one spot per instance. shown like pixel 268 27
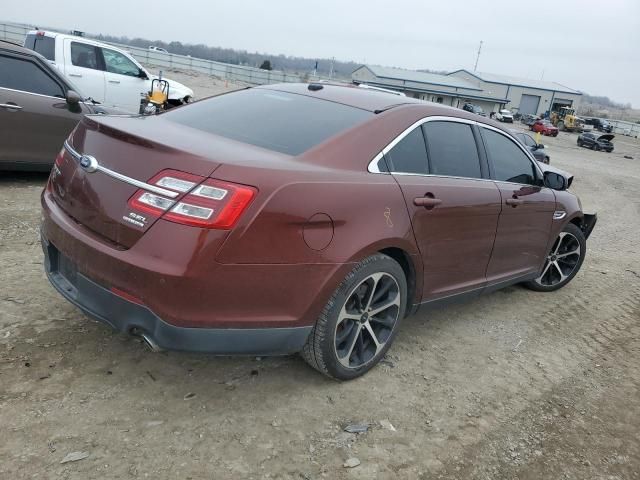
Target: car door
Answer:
pixel 83 65
pixel 34 115
pixel 527 209
pixel 453 209
pixel 124 87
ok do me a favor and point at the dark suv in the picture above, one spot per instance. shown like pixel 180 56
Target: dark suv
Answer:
pixel 600 125
pixel 469 107
pixel 38 109
pixel 596 142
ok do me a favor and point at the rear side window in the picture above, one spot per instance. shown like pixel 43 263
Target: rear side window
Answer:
pixel 409 155
pixel 45 46
pixel 84 55
pixel 452 150
pixel 279 121
pixel 26 76
pixel 510 163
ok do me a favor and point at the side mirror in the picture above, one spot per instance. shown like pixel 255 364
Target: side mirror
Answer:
pixel 555 181
pixel 142 74
pixel 540 146
pixel 73 98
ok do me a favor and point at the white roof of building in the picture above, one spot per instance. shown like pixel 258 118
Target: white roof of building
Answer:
pixel 420 77
pixel 521 82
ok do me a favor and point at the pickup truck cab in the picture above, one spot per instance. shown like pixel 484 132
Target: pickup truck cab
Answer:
pixel 106 73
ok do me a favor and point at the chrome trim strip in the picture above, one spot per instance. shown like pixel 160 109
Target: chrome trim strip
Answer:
pixel 123 178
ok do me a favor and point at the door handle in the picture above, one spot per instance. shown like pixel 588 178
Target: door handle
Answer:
pixel 514 202
pixel 75 75
pixel 11 106
pixel 114 81
pixel 427 201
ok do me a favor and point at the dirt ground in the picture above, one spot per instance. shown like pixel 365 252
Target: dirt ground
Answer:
pixel 514 385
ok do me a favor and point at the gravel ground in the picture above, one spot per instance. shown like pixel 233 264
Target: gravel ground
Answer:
pixel 514 385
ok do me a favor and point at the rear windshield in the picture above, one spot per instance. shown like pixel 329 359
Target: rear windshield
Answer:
pixel 45 46
pixel 279 121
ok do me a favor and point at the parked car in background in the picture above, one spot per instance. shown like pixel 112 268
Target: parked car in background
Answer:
pixel 294 218
pixel 157 49
pixel 600 125
pixel 528 119
pixel 536 149
pixel 469 107
pixel 596 142
pixel 38 109
pixel 106 73
pixel 545 127
pixel 504 116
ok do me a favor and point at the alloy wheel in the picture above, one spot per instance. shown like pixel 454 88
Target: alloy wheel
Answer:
pixel 366 320
pixel 561 261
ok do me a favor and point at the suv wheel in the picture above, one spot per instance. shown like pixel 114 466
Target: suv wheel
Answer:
pixel 563 262
pixel 360 320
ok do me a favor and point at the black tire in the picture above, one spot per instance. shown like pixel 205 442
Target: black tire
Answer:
pixel 321 349
pixel 568 264
pixel 579 142
pixel 595 147
pixel 547 160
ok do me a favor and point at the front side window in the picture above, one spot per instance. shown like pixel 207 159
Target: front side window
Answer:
pixel 115 62
pixel 527 140
pixel 510 163
pixel 84 55
pixel 452 150
pixel 409 155
pixel 26 76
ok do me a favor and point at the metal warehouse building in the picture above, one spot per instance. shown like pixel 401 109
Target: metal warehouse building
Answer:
pixel 489 91
pixel 525 96
pixel 445 89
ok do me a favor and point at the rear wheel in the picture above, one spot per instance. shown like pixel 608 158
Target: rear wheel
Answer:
pixel 595 147
pixel 560 125
pixel 563 261
pixel 360 320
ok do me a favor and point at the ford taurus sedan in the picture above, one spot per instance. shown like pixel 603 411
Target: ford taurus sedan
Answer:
pixel 300 218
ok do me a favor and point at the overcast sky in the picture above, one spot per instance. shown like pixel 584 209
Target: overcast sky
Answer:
pixel 589 46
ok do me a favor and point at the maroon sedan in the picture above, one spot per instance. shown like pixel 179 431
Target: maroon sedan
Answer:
pixel 299 218
pixel 545 127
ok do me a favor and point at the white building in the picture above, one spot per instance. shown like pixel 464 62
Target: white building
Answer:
pixel 433 87
pixel 489 91
pixel 525 95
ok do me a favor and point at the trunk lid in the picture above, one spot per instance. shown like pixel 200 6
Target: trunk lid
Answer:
pixel 131 148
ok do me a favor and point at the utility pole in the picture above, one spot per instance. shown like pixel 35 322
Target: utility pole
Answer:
pixel 475 67
pixel 331 70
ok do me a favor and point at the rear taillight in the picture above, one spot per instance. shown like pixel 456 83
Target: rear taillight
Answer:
pixel 209 204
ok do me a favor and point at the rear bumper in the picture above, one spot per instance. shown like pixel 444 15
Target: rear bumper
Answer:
pixel 126 316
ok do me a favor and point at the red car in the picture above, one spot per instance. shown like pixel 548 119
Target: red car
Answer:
pixel 299 218
pixel 545 127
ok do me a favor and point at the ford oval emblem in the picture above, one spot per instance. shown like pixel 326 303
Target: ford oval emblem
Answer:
pixel 88 163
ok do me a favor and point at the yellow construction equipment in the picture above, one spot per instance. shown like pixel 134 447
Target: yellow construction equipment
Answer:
pixel 157 98
pixel 566 120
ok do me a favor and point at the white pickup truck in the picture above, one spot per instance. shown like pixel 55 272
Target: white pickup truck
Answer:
pixel 107 74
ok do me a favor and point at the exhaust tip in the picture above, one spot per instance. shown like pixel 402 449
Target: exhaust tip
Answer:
pixel 146 338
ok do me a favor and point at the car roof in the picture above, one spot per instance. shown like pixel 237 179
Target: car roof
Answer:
pixel 50 33
pixel 14 47
pixel 348 94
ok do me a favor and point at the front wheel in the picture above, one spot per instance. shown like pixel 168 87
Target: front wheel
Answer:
pixel 360 320
pixel 563 261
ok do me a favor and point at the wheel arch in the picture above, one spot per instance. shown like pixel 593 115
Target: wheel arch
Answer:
pixel 408 266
